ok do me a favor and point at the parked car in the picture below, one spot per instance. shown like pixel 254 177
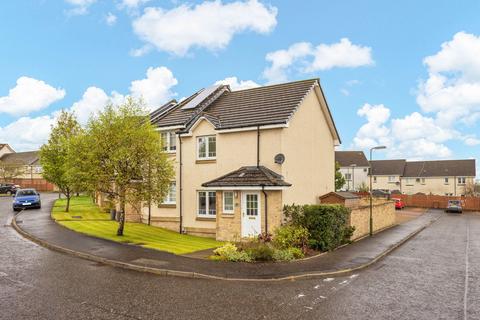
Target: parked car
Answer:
pixel 8 188
pixel 26 198
pixel 380 193
pixel 399 204
pixel 454 206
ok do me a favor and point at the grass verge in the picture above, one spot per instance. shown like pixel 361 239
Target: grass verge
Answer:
pixel 95 223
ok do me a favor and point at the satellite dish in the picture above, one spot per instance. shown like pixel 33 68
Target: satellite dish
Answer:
pixel 279 158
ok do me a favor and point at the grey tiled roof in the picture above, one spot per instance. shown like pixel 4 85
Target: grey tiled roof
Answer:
pixel 265 105
pixel 24 158
pixel 347 158
pixel 388 167
pixel 440 168
pixel 250 176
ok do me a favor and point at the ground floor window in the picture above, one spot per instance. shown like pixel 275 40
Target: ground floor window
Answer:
pixel 207 203
pixel 171 197
pixel 228 202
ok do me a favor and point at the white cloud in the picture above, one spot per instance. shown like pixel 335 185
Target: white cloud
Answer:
pixel 29 95
pixel 471 141
pixel 210 25
pixel 27 133
pixel 132 4
pixel 155 89
pixel 236 84
pixel 452 89
pixel 110 19
pixel 80 7
pixel 93 100
pixel 305 58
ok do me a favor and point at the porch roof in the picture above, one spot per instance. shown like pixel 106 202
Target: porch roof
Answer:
pixel 250 176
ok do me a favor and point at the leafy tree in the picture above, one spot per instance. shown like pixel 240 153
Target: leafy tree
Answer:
pixel 339 179
pixel 9 171
pixel 124 158
pixel 53 154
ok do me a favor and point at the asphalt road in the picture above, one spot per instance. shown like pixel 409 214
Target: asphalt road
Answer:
pixel 436 275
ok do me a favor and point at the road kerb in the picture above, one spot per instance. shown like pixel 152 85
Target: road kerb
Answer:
pixel 195 275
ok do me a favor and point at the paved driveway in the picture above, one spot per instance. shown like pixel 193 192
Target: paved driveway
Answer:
pixel 433 276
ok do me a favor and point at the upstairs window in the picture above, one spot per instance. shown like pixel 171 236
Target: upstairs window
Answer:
pixel 169 141
pixel 392 179
pixel 206 147
pixel 375 179
pixel 461 180
pixel 446 180
pixel 348 176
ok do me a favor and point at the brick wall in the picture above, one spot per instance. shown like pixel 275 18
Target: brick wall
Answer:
pixel 383 213
pixel 440 202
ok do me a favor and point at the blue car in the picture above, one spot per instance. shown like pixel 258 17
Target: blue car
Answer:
pixel 26 198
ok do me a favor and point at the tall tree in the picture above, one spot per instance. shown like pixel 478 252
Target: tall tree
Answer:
pixel 54 154
pixel 9 171
pixel 339 179
pixel 125 159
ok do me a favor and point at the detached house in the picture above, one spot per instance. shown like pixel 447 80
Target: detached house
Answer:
pixel 354 167
pixel 241 155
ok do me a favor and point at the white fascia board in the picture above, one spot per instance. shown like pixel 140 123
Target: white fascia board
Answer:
pixel 168 128
pixel 244 188
pixel 254 128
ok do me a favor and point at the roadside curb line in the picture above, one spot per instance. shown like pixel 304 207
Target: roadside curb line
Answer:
pixel 196 275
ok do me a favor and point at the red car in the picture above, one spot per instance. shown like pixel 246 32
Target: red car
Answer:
pixel 399 204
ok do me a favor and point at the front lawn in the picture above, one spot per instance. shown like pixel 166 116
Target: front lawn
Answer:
pixel 95 223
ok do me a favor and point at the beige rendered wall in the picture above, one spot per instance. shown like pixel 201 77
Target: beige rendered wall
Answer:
pixel 383 183
pixel 309 151
pixel 435 185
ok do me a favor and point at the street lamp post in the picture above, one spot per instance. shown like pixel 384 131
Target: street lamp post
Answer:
pixel 353 175
pixel 371 173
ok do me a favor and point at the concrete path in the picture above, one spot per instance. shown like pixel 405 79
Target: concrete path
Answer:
pixel 39 226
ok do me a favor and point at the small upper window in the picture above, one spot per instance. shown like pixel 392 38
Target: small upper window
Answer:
pixel 391 179
pixel 374 179
pixel 446 180
pixel 461 180
pixel 169 142
pixel 348 176
pixel 206 147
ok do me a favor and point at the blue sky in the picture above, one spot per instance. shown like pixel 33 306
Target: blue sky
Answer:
pixel 380 85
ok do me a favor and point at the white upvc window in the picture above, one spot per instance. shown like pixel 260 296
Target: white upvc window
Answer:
pixel 446 180
pixel 409 181
pixel 422 180
pixel 348 176
pixel 228 201
pixel 169 141
pixel 171 197
pixel 374 179
pixel 206 203
pixel 461 180
pixel 392 179
pixel 206 148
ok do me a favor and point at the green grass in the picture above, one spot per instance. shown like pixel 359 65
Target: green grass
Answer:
pixel 94 223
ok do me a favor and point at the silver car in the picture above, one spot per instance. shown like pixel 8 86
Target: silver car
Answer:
pixel 454 206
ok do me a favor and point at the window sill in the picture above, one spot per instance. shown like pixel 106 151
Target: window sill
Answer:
pixel 228 215
pixel 167 205
pixel 205 218
pixel 201 161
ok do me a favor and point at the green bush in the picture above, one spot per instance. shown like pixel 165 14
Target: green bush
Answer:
pixel 287 254
pixel 327 224
pixel 229 252
pixel 291 236
pixel 260 252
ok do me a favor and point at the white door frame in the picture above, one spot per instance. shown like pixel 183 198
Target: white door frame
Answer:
pixel 248 227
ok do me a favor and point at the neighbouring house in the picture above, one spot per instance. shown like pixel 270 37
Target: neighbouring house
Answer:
pixel 240 156
pixel 354 167
pixel 22 168
pixel 439 177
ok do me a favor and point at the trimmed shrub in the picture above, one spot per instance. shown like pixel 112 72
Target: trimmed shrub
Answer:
pixel 229 252
pixel 260 252
pixel 289 236
pixel 287 254
pixel 327 224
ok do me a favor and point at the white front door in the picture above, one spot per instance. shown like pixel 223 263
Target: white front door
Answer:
pixel 251 223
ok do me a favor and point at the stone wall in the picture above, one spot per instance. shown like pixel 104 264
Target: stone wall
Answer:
pixel 383 214
pixel 170 223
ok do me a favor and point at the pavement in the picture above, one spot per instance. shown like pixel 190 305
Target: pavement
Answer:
pixel 435 275
pixel 39 227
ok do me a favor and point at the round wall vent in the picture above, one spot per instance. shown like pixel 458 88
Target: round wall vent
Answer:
pixel 280 158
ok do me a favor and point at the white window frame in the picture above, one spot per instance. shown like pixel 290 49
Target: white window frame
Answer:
pixel 207 214
pixel 348 176
pixel 392 179
pixel 374 179
pixel 408 182
pixel 460 179
pixel 207 148
pixel 225 210
pixel 168 197
pixel 445 180
pixel 169 135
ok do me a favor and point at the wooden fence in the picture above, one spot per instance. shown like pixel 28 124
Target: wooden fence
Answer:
pixel 38 184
